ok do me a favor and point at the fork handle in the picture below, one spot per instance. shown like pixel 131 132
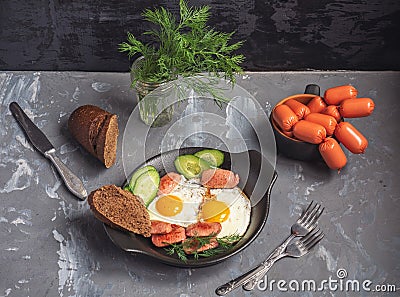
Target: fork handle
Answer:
pixel 249 279
pixel 246 277
pixel 264 268
pixel 267 264
pixel 237 282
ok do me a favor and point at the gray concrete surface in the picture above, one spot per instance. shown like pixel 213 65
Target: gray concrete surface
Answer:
pixel 51 244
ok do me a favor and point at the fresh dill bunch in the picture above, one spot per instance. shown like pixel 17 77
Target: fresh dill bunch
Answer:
pixel 183 46
pixel 224 244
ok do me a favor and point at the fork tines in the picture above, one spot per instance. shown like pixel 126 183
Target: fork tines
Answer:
pixel 312 238
pixel 311 214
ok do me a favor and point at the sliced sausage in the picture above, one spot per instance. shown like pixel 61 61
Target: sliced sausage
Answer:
pixel 356 108
pixel 177 234
pixel 159 227
pixel 192 245
pixel 333 111
pixel 327 121
pixel 332 153
pixel 284 117
pixel 316 104
pixel 333 96
pixel 203 229
pixel 298 108
pixel 351 138
pixel 168 182
pixel 309 132
pixel 217 178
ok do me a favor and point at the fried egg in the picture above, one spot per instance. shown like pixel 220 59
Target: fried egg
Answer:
pixel 180 206
pixel 230 207
pixel 189 202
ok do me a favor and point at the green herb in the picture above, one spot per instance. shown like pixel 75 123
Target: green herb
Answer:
pixel 224 244
pixel 178 249
pixel 184 46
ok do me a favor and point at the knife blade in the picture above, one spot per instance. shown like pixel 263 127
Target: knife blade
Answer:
pixel 43 145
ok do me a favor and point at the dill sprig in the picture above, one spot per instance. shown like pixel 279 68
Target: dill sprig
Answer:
pixel 176 248
pixel 224 244
pixel 183 46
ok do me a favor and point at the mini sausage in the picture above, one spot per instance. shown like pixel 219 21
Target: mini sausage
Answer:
pixel 298 108
pixel 159 227
pixel 351 138
pixel 192 245
pixel 332 153
pixel 203 229
pixel 284 117
pixel 217 178
pixel 176 235
pixel 356 108
pixel 333 111
pixel 316 104
pixel 309 132
pixel 333 96
pixel 168 182
pixel 327 121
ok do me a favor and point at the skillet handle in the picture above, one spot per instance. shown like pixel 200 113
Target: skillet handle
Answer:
pixel 312 89
pixel 273 180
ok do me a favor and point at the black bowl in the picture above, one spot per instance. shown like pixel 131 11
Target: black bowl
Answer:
pixel 257 178
pixel 291 147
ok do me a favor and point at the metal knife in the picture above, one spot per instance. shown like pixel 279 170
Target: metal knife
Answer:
pixel 43 145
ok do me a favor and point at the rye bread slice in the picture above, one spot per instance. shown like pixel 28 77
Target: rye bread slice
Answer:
pixel 120 209
pixel 106 142
pixel 97 131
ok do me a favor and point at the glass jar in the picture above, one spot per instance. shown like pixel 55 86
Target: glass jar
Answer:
pixel 153 109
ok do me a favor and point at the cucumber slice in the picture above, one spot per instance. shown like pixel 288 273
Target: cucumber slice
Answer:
pixel 138 173
pixel 190 166
pixel 213 157
pixel 146 186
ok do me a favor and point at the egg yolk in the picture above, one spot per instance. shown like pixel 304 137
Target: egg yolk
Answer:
pixel 169 205
pixel 215 211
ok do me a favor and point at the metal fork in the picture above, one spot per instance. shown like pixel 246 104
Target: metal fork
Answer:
pixel 306 223
pixel 262 269
pixel 294 250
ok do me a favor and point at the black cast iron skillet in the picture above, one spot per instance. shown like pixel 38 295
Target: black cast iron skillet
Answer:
pixel 257 177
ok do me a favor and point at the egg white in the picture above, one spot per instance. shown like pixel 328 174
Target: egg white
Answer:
pixel 191 195
pixel 239 208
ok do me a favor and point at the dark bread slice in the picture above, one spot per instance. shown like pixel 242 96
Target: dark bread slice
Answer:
pixel 94 130
pixel 97 131
pixel 106 143
pixel 120 209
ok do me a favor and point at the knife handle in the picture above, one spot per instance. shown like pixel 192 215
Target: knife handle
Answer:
pixel 73 183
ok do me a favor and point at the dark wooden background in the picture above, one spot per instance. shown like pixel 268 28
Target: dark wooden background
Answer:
pixel 279 34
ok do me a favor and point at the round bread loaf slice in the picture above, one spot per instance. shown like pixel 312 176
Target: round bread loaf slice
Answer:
pixel 97 131
pixel 120 209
